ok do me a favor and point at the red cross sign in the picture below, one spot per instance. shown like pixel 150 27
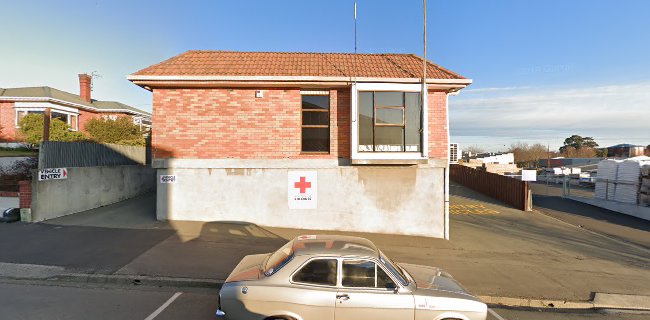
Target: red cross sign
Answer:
pixel 303 185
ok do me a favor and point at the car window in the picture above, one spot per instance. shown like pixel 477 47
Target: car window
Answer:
pixel 365 274
pixel 318 271
pixel 279 258
pixel 383 280
pixel 393 268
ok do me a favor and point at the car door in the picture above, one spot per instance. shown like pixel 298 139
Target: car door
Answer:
pixel 368 292
pixel 314 290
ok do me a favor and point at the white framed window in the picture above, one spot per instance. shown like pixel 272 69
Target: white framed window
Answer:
pixel 70 118
pixel 388 122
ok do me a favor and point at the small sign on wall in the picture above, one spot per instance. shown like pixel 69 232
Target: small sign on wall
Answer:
pixel 52 174
pixel 528 175
pixel 302 189
pixel 167 178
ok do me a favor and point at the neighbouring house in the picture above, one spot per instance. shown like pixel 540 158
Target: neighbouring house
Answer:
pixel 330 141
pixel 75 110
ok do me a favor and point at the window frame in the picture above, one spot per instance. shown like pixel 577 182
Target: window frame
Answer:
pixel 378 265
pixel 27 110
pixel 395 156
pixel 329 120
pixel 300 267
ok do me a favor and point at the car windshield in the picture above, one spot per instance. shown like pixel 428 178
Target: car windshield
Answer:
pixel 278 259
pixel 393 268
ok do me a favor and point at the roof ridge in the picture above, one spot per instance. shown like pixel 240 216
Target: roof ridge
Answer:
pixel 291 52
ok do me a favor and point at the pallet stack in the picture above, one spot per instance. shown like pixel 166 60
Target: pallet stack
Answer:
pixel 644 190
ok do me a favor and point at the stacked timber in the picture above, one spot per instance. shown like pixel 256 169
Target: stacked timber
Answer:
pixel 606 180
pixel 644 190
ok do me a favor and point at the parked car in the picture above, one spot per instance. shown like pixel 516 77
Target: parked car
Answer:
pixel 10 215
pixel 343 278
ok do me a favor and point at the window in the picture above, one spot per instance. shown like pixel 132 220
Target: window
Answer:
pixel 278 259
pixel 68 118
pixel 389 121
pixel 315 123
pixel 61 116
pixel 365 274
pixel 318 271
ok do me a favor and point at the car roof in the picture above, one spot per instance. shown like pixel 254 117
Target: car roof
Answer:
pixel 334 245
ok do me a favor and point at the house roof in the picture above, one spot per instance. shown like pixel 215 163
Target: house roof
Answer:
pixel 295 64
pixel 49 93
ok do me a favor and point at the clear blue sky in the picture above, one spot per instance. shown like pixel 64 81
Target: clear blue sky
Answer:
pixel 542 70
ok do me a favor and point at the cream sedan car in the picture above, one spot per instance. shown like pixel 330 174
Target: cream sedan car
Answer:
pixel 343 278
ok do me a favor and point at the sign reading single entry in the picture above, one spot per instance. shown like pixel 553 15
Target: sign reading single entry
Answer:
pixel 302 189
pixel 168 178
pixel 52 174
pixel 528 175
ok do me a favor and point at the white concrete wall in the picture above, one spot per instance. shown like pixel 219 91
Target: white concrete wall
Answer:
pixel 88 188
pixel 400 200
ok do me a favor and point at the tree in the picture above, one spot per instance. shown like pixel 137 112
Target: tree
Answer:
pixel 578 142
pixel 527 155
pixel 474 149
pixel 119 131
pixel 31 129
pixel 584 152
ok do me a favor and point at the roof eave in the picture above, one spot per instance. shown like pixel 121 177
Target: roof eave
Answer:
pixel 148 81
pixel 70 104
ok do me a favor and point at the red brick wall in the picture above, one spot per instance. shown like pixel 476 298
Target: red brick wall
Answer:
pixel 25 192
pixel 84 117
pixel 438 144
pixel 7 121
pixel 232 123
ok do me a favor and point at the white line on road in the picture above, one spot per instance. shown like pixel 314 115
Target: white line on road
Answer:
pixel 496 315
pixel 164 306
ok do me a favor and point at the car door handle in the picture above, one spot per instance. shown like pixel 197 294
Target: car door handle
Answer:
pixel 343 297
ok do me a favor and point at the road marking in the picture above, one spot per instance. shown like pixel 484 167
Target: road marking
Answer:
pixel 164 306
pixel 496 315
pixel 471 209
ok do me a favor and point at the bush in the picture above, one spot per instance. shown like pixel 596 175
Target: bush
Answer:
pixel 31 128
pixel 119 131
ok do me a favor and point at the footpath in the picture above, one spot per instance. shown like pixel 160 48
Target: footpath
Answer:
pixel 506 256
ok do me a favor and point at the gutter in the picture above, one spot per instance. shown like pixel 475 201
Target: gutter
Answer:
pixel 71 104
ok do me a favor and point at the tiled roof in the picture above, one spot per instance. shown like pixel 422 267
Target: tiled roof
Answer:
pixel 292 64
pixel 48 92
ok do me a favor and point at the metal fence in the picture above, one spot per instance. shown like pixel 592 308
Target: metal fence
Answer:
pixel 508 190
pixel 54 154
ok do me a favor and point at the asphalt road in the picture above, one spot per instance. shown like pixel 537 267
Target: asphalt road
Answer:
pixel 33 302
pixel 548 200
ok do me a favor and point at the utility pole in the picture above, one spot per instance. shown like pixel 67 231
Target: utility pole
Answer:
pixel 46 125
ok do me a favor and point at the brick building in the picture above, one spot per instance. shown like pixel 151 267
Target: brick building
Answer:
pixel 75 110
pixel 304 140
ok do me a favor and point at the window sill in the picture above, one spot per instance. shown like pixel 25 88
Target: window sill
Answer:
pixel 311 153
pixel 389 161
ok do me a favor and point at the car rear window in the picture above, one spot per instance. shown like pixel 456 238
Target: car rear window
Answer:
pixel 278 259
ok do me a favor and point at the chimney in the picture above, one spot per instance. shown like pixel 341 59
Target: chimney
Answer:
pixel 84 87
